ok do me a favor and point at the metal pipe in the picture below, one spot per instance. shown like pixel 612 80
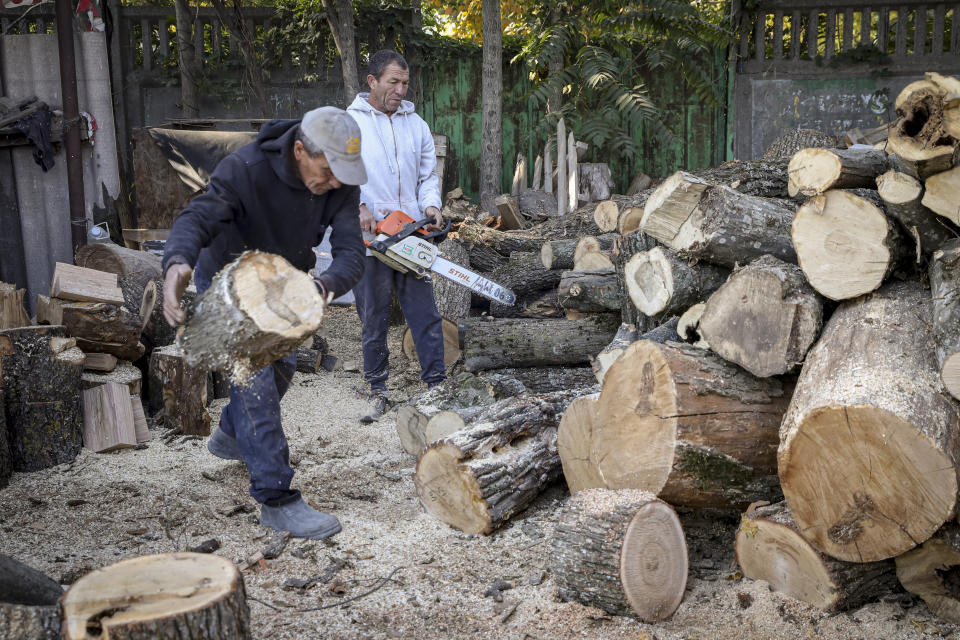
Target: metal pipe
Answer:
pixel 71 121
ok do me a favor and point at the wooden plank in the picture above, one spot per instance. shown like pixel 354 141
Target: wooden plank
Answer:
pixel 547 169
pixel 146 43
pixel 831 34
pixel 85 285
pixel 813 28
pixel 866 26
pixel 99 362
pixel 573 186
pixel 796 28
pixel 759 36
pixel 163 33
pixel 955 30
pixel 847 42
pixel 538 173
pixel 883 29
pixel 108 418
pixel 744 37
pixel 900 48
pixel 140 427
pixel 519 176
pixel 561 168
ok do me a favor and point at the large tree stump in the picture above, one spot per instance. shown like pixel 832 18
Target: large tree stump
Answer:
pixel 845 244
pixel 589 291
pixel 477 478
pixel 492 344
pixel 771 548
pixel 813 171
pixel 661 284
pixel 112 258
pixel 172 595
pixel 452 299
pixel 621 551
pixel 258 308
pixel 99 327
pixel 684 424
pixel 41 397
pixel 931 571
pixel 869 446
pixel 945 291
pixel 764 318
pixel 179 389
pixel 940 194
pixel 901 196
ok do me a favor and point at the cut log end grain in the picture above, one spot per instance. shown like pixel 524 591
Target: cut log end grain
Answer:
pixel 813 171
pixel 629 220
pixel 573 439
pixel 897 187
pixel 950 374
pixel 659 282
pixel 606 214
pixel 669 206
pixel 451 343
pixel 448 494
pixel 167 595
pixel 940 195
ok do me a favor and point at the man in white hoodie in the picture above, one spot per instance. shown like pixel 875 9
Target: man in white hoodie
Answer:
pixel 399 155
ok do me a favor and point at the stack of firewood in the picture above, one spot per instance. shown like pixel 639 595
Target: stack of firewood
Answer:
pixel 789 334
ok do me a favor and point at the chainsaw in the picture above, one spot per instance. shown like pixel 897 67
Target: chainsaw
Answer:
pixel 403 244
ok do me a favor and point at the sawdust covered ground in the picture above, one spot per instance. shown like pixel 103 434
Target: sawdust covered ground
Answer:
pixel 102 508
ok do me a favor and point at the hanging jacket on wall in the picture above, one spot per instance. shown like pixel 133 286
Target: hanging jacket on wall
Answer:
pixel 36 127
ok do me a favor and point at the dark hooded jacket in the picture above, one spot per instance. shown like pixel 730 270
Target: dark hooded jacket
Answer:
pixel 256 200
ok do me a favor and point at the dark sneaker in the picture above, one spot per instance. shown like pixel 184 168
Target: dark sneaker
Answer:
pixel 223 446
pixel 378 405
pixel 300 519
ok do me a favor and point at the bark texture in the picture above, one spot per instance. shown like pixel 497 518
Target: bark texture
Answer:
pixel 491 108
pixel 589 291
pixel 179 389
pixel 945 291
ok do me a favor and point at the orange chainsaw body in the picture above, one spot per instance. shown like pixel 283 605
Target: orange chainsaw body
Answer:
pixel 395 222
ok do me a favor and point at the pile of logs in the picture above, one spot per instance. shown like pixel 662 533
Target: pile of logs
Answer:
pixel 786 345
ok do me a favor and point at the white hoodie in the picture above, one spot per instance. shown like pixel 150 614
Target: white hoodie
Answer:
pixel 400 160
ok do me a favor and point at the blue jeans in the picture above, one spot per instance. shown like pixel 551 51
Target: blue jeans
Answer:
pixel 253 418
pixel 374 297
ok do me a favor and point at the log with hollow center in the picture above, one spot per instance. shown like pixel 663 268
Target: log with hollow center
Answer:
pixel 660 283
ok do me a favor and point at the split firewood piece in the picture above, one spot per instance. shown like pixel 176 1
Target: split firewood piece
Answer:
pixel 573 175
pixel 180 390
pixel 124 373
pixel 940 194
pixel 671 204
pixel 771 548
pixel 112 258
pixel 621 551
pixel 12 312
pixel 688 326
pixel 524 274
pixel 845 244
pixel 98 326
pixel 510 216
pixel 159 596
pixel 624 249
pixel 558 254
pixel 589 291
pixel 629 220
pixel 660 283
pixel 104 362
pixel 869 398
pixel 41 385
pixel 562 174
pixel 523 342
pixel 929 572
pixel 764 318
pixel 451 343
pixel 688 426
pixel 309 360
pixel 606 214
pixel 814 171
pixel 480 476
pixel 574 437
pixel 945 290
pixel 258 308
pixel 901 195
pixel 140 426
pixel 84 285
pixel 108 422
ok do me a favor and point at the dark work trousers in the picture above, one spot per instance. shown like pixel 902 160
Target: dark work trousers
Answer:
pixel 253 418
pixel 374 297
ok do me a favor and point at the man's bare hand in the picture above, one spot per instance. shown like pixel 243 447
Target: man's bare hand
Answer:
pixel 437 216
pixel 367 222
pixel 174 284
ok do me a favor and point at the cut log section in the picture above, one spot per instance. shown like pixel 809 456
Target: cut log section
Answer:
pixel 84 285
pixel 589 291
pixel 629 220
pixel 558 254
pixel 169 595
pixel 684 424
pixel 940 194
pixel 574 437
pixel 606 215
pixel 108 421
pixel 790 142
pixel 901 195
pixel 771 548
pixel 845 244
pixel 764 318
pixel 451 343
pixel 813 171
pixel 308 360
pixel 930 571
pixel 480 476
pixel 258 308
pixel 493 344
pixel 660 283
pixel 625 248
pixel 923 146
pixel 945 290
pixel 671 204
pixel 99 327
pixel 869 447
pixel 180 390
pixel 625 336
pixel 112 258
pixel 621 551
pixel 12 312
pixel 524 274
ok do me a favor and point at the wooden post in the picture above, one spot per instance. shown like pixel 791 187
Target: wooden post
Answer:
pixel 573 182
pixel 562 184
pixel 547 169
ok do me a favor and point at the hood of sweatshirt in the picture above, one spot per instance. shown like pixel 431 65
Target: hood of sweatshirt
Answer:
pixel 360 103
pixel 276 142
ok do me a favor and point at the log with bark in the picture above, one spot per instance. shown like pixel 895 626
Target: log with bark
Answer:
pixel 845 244
pixel 99 327
pixel 144 296
pixel 606 215
pixel 452 299
pixel 688 326
pixel 629 220
pixel 179 389
pixel 258 308
pixel 492 344
pixel 621 551
pixel 537 204
pixel 789 143
pixel 869 403
pixel 593 252
pixel 681 422
pixel 540 304
pixel 12 312
pixel 940 194
pixel 41 397
pixel 771 548
pixel 574 437
pixel 813 171
pixel 930 571
pixel 945 291
pixel 764 318
pixel 660 283
pixel 558 254
pixel 451 343
pixel 901 196
pixel 918 138
pixel 113 258
pixel 762 178
pixel 624 249
pixel 171 595
pixel 480 476
pixel 28 602
pixel 524 274
pixel 626 335
pixel 589 291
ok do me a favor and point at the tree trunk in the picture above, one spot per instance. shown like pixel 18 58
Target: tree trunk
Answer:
pixel 180 390
pixel 113 258
pixel 764 318
pixel 589 291
pixel 170 595
pixel 770 547
pixel 945 290
pixel 625 248
pixel 845 244
pixel 621 551
pixel 491 125
pixel 901 196
pixel 452 299
pixel 684 424
pixel 533 343
pixel 340 18
pixel 41 396
pixel 480 476
pixel 940 194
pixel 930 571
pixel 237 26
pixel 661 284
pixel 813 171
pixel 187 54
pixel 869 398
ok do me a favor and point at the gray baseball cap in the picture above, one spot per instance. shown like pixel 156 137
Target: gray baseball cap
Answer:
pixel 337 134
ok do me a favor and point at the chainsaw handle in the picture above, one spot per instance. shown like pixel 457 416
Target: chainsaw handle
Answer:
pixel 439 232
